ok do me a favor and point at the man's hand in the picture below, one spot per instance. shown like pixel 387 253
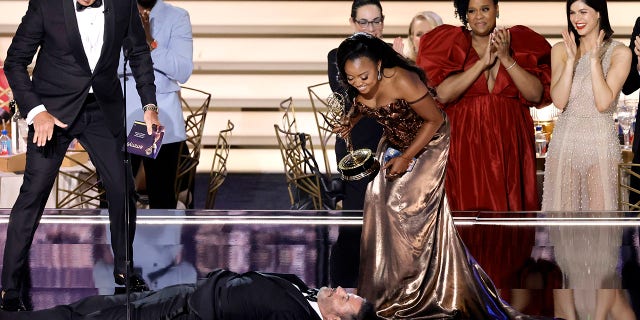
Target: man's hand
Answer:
pixel 43 124
pixel 151 118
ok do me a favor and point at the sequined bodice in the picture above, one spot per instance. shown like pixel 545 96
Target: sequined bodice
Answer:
pixel 400 122
pixel 581 100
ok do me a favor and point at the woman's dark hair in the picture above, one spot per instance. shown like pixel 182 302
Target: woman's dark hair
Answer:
pixel 363 44
pixel 599 6
pixel 461 8
pixel 367 312
pixel 361 3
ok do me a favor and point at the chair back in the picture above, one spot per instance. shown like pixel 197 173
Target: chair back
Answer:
pixel 219 165
pixel 319 104
pixel 626 192
pixel 189 155
pixel 78 185
pixel 303 184
pixel 288 122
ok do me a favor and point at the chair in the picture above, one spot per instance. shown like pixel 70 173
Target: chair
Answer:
pixel 303 184
pixel 219 166
pixel 320 110
pixel 189 155
pixel 289 116
pixel 625 172
pixel 5 103
pixel 81 187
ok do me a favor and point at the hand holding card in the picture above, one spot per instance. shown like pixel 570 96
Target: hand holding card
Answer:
pixel 391 153
pixel 143 144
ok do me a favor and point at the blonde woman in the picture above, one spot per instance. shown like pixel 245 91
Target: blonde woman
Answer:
pixel 421 23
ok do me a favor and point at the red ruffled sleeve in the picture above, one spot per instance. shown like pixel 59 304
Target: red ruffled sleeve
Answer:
pixel 442 52
pixel 533 53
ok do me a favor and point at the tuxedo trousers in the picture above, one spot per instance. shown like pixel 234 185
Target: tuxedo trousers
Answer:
pixel 42 166
pixel 170 303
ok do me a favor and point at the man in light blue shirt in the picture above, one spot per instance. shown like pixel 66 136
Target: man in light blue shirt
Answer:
pixel 168 33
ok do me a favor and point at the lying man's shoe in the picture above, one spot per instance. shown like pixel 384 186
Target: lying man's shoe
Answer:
pixel 11 302
pixel 136 283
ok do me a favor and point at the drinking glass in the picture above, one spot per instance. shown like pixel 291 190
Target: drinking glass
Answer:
pixel 632 104
pixel 624 120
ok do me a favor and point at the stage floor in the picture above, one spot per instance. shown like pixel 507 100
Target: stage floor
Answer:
pixel 530 256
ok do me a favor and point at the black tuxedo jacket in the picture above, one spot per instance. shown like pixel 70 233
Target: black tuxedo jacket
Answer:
pixel 632 84
pixel 222 295
pixel 61 76
pixel 248 296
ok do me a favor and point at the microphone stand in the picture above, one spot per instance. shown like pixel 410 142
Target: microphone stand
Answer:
pixel 127 254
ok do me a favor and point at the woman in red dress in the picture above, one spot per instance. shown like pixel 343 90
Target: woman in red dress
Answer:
pixel 486 78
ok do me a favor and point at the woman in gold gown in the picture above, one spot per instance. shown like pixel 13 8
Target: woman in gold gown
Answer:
pixel 413 264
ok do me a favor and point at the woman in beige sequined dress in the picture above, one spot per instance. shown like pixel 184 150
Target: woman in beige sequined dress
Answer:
pixel 413 264
pixel 588 71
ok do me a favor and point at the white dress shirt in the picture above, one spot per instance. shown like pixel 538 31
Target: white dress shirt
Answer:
pixel 91 26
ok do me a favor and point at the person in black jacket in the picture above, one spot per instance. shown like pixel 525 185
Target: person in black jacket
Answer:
pixel 74 93
pixel 631 266
pixel 366 15
pixel 222 295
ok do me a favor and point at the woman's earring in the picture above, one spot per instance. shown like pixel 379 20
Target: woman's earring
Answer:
pixel 498 15
pixel 379 75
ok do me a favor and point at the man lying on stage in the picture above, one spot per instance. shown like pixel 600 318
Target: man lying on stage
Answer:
pixel 222 295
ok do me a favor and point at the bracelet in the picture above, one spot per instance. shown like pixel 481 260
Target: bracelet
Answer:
pixel 511 66
pixel 150 107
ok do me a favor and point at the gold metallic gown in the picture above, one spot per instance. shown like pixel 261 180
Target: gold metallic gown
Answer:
pixel 413 264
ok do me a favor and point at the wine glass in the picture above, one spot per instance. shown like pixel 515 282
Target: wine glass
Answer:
pixel 632 104
pixel 624 120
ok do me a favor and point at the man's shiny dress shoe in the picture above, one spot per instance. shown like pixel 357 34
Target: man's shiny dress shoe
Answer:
pixel 136 284
pixel 11 302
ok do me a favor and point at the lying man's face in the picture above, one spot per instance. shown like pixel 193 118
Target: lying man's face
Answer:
pixel 337 303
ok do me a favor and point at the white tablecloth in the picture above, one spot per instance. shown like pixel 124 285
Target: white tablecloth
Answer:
pixel 10 185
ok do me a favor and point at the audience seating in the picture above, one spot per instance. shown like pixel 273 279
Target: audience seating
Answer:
pixel 218 171
pixel 189 156
pixel 80 187
pixel 250 59
pixel 319 95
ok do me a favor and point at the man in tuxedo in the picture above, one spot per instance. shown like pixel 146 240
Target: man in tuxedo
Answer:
pixel 223 295
pixel 74 92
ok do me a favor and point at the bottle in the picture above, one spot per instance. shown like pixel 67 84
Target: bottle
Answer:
pixel 5 143
pixel 541 142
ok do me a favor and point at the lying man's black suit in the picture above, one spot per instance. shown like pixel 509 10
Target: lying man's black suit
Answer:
pixel 223 295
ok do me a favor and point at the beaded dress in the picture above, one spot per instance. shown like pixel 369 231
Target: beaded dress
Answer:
pixel 581 175
pixel 581 166
pixel 413 263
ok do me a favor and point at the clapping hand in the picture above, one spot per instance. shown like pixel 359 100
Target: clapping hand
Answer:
pixel 596 52
pixel 569 45
pixel 489 56
pixel 398 45
pixel 501 42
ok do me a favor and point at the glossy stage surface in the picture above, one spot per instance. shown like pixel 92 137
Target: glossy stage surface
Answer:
pixel 580 260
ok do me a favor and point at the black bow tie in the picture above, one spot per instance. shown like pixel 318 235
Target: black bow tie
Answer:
pixel 311 294
pixel 95 4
